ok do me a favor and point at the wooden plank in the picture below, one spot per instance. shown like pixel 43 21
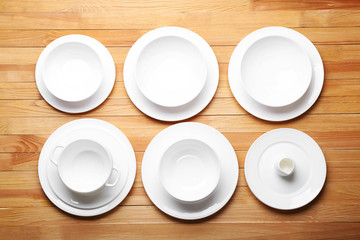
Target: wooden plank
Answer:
pixel 202 230
pixel 124 107
pixel 240 141
pixel 136 126
pixel 266 5
pixel 232 213
pixel 126 18
pixel 176 6
pixel 230 35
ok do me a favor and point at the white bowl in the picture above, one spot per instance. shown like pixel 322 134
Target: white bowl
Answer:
pixel 170 71
pixel 84 166
pixel 189 170
pixel 275 71
pixel 72 71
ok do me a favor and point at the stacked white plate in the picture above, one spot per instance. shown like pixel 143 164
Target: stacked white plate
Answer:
pixel 190 170
pixel 285 169
pixel 87 167
pixel 171 73
pixel 75 73
pixel 276 73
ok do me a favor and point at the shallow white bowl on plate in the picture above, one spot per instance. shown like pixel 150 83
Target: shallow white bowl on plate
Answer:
pixel 225 155
pixel 72 71
pixel 189 170
pixel 75 73
pixel 170 71
pixel 275 70
pixel 171 113
pixel 277 113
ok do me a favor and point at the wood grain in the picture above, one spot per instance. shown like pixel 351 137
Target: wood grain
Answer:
pixel 26 120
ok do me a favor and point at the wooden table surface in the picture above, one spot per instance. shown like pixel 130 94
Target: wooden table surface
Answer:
pixel 26 120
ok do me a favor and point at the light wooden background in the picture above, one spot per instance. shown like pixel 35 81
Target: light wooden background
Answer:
pixel 26 120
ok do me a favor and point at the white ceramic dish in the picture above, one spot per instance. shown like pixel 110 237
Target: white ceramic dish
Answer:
pixel 275 71
pixel 170 71
pixel 84 166
pixel 277 113
pixel 75 73
pixel 100 201
pixel 189 170
pixel 172 113
pixel 285 192
pixel 229 170
pixel 105 195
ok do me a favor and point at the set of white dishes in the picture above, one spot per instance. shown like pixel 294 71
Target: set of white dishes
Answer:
pixel 171 74
pixel 190 170
pixel 276 73
pixel 87 167
pixel 75 73
pixel 285 169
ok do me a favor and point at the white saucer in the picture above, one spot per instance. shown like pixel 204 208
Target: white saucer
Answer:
pixel 171 113
pixel 103 196
pixel 228 176
pixel 293 191
pixel 108 198
pixel 98 93
pixel 278 113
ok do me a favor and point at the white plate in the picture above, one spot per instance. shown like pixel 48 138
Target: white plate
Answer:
pixel 170 71
pixel 57 59
pixel 278 113
pixel 296 190
pixel 171 113
pixel 228 176
pixel 109 198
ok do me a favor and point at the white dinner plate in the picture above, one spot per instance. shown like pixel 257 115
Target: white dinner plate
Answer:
pixel 108 198
pixel 280 113
pixel 75 73
pixel 229 170
pixel 274 190
pixel 195 102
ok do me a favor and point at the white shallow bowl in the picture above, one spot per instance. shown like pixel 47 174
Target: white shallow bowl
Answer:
pixel 276 113
pixel 275 70
pixel 171 113
pixel 170 71
pixel 75 73
pixel 189 170
pixel 84 166
pixel 72 71
pixel 174 136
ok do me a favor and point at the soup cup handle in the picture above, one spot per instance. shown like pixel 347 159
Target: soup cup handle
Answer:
pixel 117 178
pixel 52 159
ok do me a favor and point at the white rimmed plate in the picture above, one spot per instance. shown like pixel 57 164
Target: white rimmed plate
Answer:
pixel 62 94
pixel 116 137
pixel 228 176
pixel 296 190
pixel 278 113
pixel 171 113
